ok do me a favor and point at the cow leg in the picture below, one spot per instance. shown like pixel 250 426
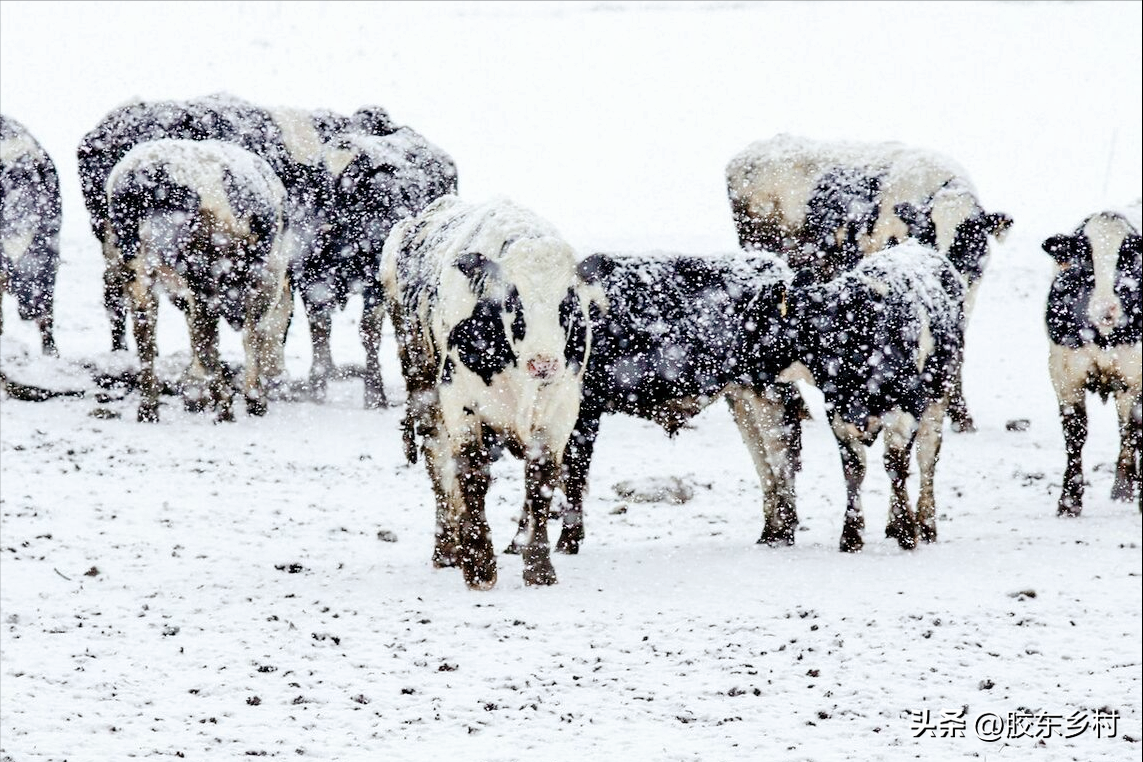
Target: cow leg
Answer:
pixel 47 339
pixel 145 313
pixel 321 322
pixel 902 524
pixel 1129 407
pixel 958 409
pixel 264 341
pixel 1074 418
pixel 853 467
pixel 475 554
pixel 204 339
pixel 765 427
pixel 929 437
pixel 442 475
pixel 576 466
pixel 541 474
pixel 116 277
pixel 372 320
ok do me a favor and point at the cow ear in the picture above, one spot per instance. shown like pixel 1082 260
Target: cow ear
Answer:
pixel 475 265
pixel 595 268
pixel 1061 247
pixel 997 224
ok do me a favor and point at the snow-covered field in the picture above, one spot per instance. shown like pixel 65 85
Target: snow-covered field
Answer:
pixel 264 588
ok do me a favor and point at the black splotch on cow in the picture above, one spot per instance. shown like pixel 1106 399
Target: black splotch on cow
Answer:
pixel 308 150
pixel 1095 323
pixel 678 333
pixel 203 221
pixel 824 206
pixel 492 331
pixel 883 342
pixel 30 218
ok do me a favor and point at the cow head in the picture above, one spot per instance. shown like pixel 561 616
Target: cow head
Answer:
pixel 1106 249
pixel 530 311
pixel 954 224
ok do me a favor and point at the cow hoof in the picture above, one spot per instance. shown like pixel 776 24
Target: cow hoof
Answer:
pixel 148 414
pixel 777 537
pixel 224 416
pixel 964 426
pixel 255 406
pixel 907 541
pixel 538 569
pixel 1069 510
pixel 851 541
pixel 569 541
pixel 478 565
pixel 194 404
pixel 513 549
pixel 1123 489
pixel 375 400
pixel 50 350
pixel 928 534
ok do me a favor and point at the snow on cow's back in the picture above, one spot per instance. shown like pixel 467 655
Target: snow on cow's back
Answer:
pixel 921 276
pixel 203 165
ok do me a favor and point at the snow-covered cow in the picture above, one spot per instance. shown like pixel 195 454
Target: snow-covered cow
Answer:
pixel 1095 323
pixel 203 220
pixel 311 152
pixel 30 217
pixel 493 330
pixel 883 342
pixel 378 181
pixel 824 206
pixel 678 333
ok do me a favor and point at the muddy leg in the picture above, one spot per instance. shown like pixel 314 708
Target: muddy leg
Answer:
pixel 764 424
pixel 1129 407
pixel 577 465
pixel 204 339
pixel 902 524
pixel 115 286
pixel 321 322
pixel 475 554
pixel 958 409
pixel 145 314
pixel 541 471
pixel 47 339
pixel 853 467
pixel 372 320
pixel 929 437
pixel 1074 418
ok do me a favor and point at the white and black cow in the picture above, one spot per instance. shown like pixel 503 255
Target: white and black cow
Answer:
pixel 30 218
pixel 824 206
pixel 883 342
pixel 493 331
pixel 1095 324
pixel 678 333
pixel 333 184
pixel 203 220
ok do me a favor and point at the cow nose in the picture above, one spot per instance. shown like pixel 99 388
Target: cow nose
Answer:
pixel 543 367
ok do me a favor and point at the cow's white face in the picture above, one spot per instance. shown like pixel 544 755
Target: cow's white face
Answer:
pixel 515 335
pixel 1106 235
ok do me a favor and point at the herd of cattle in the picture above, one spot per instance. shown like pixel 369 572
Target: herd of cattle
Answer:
pixel 859 265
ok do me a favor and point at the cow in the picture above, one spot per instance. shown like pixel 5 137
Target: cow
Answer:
pixel 1094 317
pixel 678 333
pixel 203 221
pixel 827 205
pixel 883 342
pixel 493 332
pixel 30 218
pixel 378 181
pixel 309 151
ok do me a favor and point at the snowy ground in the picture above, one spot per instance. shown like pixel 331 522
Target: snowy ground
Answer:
pixel 264 588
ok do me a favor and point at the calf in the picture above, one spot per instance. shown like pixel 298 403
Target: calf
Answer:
pixel 883 343
pixel 678 333
pixel 203 219
pixel 493 331
pixel 311 152
pixel 827 205
pixel 1095 324
pixel 30 217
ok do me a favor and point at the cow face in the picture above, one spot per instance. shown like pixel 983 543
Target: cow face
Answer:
pixel 1106 250
pixel 956 226
pixel 529 311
